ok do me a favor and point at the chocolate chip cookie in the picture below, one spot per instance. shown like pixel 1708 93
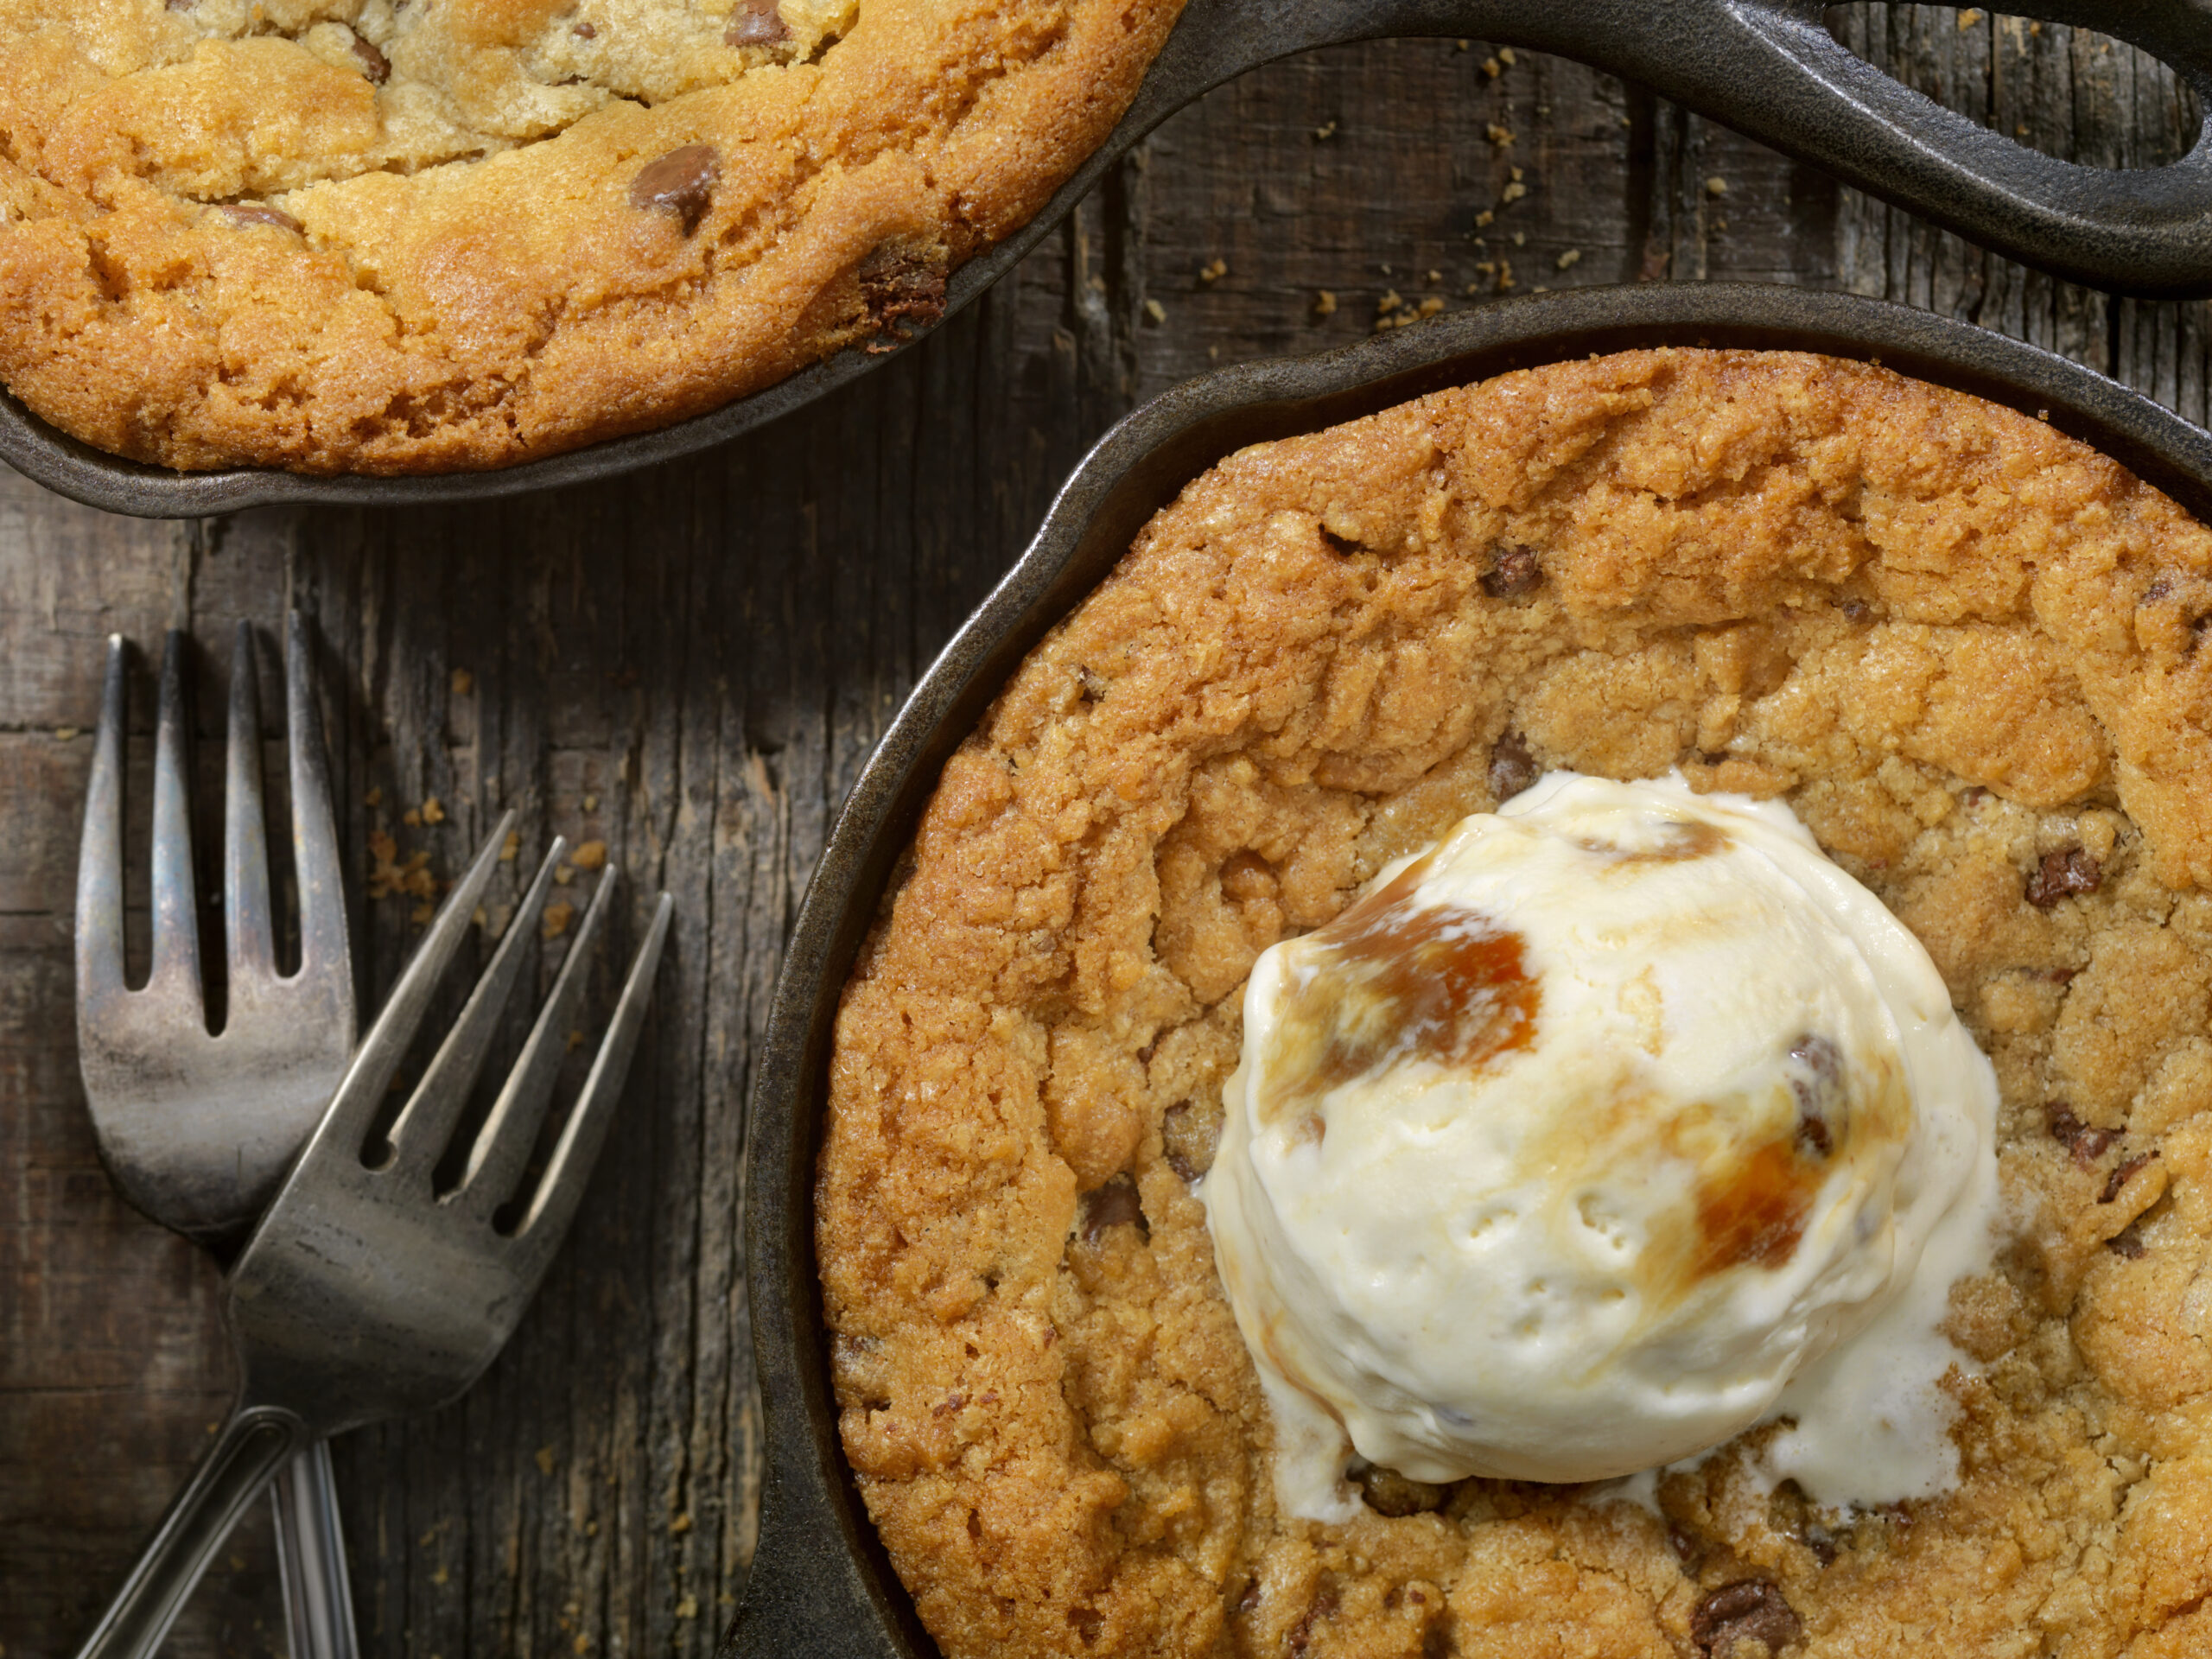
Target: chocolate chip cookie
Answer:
pixel 393 236
pixel 1967 650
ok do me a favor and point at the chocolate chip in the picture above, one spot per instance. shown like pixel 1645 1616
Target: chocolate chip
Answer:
pixel 1250 1598
pixel 1512 768
pixel 1750 1610
pixel 2123 1172
pixel 901 291
pixel 258 213
pixel 2060 874
pixel 950 1403
pixel 2159 588
pixel 1189 1138
pixel 1688 1549
pixel 1817 1081
pixel 1301 1634
pixel 2126 1243
pixel 1088 1622
pixel 1114 1204
pixel 374 64
pixel 681 182
pixel 2086 1144
pixel 1821 1542
pixel 1512 572
pixel 1855 610
pixel 1389 1493
pixel 755 23
pixel 586 31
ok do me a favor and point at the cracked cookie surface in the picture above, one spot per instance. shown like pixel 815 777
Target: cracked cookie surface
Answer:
pixel 393 236
pixel 1967 650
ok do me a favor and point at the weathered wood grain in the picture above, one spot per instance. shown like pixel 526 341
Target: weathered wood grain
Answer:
pixel 691 664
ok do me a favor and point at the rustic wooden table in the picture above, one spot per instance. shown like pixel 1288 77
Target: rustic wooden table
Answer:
pixel 691 664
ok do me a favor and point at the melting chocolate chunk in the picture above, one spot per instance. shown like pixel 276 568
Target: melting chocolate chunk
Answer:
pixel 2061 873
pixel 1513 572
pixel 374 64
pixel 902 292
pixel 755 23
pixel 2126 1243
pixel 1750 1610
pixel 681 182
pixel 259 212
pixel 2123 1172
pixel 1114 1204
pixel 1512 768
pixel 1388 1492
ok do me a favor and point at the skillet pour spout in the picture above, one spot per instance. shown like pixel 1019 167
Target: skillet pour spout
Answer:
pixel 821 1584
pixel 1768 67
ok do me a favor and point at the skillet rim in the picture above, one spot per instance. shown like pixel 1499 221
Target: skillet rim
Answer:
pixel 829 1587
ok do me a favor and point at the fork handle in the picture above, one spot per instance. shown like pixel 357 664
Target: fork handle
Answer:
pixel 253 1445
pixel 311 1557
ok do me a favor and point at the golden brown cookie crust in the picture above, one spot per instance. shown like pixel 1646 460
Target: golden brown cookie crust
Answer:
pixel 1964 648
pixel 395 236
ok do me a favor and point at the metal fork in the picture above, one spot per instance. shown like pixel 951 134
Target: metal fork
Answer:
pixel 366 1292
pixel 196 1129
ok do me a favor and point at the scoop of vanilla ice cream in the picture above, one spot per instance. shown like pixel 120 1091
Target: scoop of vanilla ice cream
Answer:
pixel 1579 1135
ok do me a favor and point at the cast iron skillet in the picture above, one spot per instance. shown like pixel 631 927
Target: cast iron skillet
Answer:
pixel 1766 67
pixel 821 1585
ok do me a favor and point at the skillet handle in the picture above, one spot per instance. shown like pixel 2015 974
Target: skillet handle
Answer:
pixel 1770 69
pixel 807 1595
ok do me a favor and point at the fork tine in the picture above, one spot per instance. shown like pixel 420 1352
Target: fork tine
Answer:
pixel 495 1162
pixel 99 858
pixel 176 922
pixel 247 938
pixel 314 827
pixel 363 1087
pixel 426 1124
pixel 570 1165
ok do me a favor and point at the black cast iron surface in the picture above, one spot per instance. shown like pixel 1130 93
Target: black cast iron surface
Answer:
pixel 1767 68
pixel 821 1585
